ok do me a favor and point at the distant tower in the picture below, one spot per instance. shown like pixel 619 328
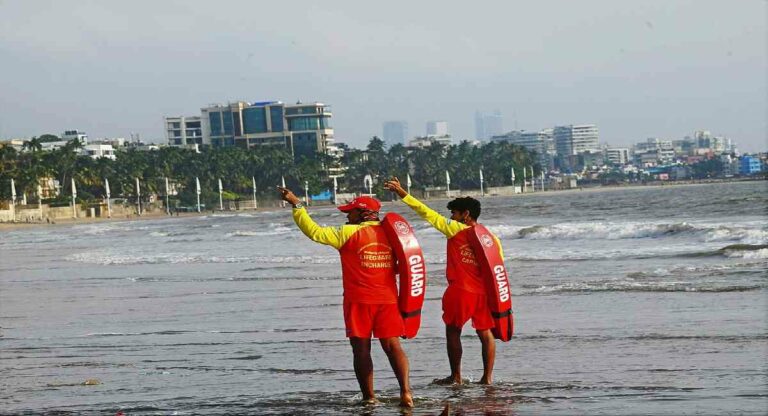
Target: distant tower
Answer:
pixel 488 125
pixel 479 126
pixel 494 124
pixel 437 128
pixel 395 132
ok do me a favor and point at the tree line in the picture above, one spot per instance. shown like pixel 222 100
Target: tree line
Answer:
pixel 236 167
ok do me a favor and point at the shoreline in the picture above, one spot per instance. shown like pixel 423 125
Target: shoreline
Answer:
pixel 16 226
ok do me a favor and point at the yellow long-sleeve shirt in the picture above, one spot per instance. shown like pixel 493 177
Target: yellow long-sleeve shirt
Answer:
pixel 367 260
pixel 331 236
pixel 462 269
pixel 448 227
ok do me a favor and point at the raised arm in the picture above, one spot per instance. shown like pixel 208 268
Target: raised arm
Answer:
pixel 444 225
pixel 331 236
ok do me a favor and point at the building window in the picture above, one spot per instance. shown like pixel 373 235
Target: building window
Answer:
pixel 215 121
pixel 236 119
pixel 227 120
pixel 276 115
pixel 304 144
pixel 304 123
pixel 254 120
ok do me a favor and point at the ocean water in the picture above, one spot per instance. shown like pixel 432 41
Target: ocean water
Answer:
pixel 632 301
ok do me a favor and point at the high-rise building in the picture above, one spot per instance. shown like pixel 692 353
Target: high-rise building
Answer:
pixel 488 125
pixel 540 142
pixel 437 128
pixel 304 129
pixel 395 132
pixel 654 151
pixel 183 131
pixel 309 128
pixel 574 139
pixel 617 155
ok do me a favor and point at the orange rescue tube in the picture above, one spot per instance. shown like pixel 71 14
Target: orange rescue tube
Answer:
pixel 411 270
pixel 497 282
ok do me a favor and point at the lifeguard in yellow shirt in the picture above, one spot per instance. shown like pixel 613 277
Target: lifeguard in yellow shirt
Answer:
pixel 370 287
pixel 466 295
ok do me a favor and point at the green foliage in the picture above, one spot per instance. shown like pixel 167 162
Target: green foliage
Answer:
pixel 711 168
pixel 236 167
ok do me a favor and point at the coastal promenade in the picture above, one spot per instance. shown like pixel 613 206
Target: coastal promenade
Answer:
pixel 273 205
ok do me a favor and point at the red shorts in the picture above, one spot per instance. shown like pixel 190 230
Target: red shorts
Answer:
pixel 460 305
pixel 362 319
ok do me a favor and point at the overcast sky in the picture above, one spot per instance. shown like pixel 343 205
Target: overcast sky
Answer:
pixel 635 68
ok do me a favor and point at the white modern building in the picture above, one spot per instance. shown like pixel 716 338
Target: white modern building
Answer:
pixel 426 141
pixel 574 139
pixel 184 131
pixel 70 135
pixel 617 155
pixel 304 129
pixel 540 142
pixel 97 151
pixel 654 151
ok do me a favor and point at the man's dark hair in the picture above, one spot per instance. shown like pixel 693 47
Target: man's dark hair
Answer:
pixel 466 203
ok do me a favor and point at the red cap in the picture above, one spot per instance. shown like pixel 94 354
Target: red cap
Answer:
pixel 362 202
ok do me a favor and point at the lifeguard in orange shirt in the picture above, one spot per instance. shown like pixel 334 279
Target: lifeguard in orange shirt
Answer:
pixel 466 295
pixel 370 287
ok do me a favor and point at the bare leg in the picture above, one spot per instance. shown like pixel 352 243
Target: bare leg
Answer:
pixel 489 354
pixel 399 362
pixel 453 342
pixel 361 350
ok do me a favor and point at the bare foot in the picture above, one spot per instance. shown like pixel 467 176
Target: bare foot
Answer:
pixel 369 401
pixel 447 381
pixel 406 399
pixel 486 381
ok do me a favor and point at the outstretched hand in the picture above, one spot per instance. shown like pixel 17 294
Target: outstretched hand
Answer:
pixel 394 186
pixel 288 196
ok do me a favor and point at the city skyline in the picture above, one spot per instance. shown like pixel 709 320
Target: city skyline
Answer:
pixel 654 72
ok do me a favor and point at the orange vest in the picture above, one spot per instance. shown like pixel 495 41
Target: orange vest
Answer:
pixel 368 267
pixel 462 269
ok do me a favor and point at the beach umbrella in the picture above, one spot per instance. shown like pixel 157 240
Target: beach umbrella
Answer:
pixel 335 189
pixel 368 183
pixel 13 192
pixel 255 203
pixel 512 174
pixel 39 198
pixel 408 182
pixel 221 200
pixel 282 183
pixel 306 192
pixel 447 184
pixel 74 197
pixel 109 203
pixel 481 182
pixel 525 179
pixel 138 196
pixel 167 198
pixel 533 179
pixel 197 190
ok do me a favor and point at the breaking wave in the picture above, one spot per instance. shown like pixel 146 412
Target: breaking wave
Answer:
pixel 628 230
pixel 251 233
pixel 745 251
pixel 635 286
pixel 107 259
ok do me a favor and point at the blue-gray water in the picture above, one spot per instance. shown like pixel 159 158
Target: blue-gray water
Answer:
pixel 626 302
